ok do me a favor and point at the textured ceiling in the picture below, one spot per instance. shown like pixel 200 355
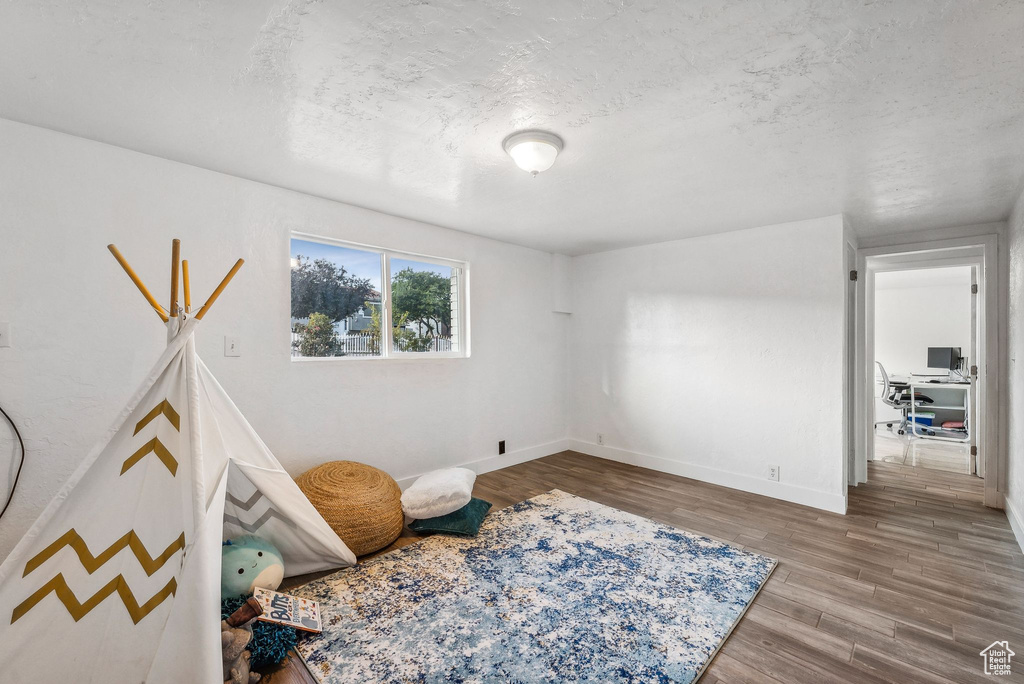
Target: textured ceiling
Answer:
pixel 679 118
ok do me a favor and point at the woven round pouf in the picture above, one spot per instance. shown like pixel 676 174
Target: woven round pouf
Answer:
pixel 363 505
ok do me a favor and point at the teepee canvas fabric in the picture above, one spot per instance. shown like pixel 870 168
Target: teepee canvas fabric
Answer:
pixel 119 578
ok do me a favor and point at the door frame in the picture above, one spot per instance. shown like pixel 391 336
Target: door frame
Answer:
pixel 977 352
pixel 981 251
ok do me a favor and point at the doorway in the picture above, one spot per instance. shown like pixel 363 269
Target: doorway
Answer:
pixel 974 384
pixel 924 346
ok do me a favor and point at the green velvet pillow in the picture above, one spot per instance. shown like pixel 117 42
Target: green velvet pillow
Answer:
pixel 464 522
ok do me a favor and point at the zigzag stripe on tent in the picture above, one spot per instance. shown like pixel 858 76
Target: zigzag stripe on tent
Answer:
pixel 260 522
pixel 165 408
pixel 79 610
pixel 155 447
pixel 92 563
pixel 245 505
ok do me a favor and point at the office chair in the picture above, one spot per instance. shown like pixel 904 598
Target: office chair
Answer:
pixel 893 395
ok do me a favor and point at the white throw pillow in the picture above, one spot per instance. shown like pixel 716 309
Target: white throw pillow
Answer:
pixel 438 493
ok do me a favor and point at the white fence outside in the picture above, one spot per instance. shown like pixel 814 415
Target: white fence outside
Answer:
pixel 437 344
pixel 360 345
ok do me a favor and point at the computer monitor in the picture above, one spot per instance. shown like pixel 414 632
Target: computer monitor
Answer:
pixel 946 358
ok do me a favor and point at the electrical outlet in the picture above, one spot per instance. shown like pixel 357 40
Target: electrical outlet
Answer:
pixel 501 447
pixel 5 334
pixel 231 347
pixel 773 473
pixel 600 438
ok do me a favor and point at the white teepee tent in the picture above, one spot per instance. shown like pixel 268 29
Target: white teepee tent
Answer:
pixel 119 578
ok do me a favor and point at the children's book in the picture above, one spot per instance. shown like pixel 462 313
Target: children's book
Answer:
pixel 288 610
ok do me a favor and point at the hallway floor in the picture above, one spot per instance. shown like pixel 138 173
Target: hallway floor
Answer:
pixel 922 453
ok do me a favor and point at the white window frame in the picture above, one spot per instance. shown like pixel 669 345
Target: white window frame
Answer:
pixel 387 334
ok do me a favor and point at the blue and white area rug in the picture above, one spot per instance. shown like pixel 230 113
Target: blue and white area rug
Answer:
pixel 556 588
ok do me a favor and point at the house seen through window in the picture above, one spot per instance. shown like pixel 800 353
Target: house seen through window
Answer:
pixel 362 302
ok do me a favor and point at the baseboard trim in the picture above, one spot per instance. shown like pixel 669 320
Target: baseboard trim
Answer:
pixel 1016 521
pixel 834 503
pixel 509 458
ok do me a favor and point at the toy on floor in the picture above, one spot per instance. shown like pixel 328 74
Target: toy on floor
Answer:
pixel 235 634
pixel 270 641
pixel 248 562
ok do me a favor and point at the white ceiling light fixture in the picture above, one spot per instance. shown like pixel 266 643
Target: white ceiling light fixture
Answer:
pixel 533 151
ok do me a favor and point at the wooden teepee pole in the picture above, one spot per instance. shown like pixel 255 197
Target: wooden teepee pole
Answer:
pixel 186 286
pixel 175 259
pixel 138 283
pixel 220 288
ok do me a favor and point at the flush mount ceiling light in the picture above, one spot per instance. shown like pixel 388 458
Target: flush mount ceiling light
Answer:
pixel 533 151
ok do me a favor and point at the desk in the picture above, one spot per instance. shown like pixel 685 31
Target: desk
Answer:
pixel 947 396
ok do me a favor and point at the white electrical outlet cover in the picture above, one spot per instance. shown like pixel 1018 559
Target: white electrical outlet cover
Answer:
pixel 231 347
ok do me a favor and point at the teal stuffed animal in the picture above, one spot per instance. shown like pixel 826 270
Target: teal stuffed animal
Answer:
pixel 248 562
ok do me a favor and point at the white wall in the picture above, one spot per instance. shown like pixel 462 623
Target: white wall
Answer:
pixel 1015 386
pixel 718 356
pixel 915 310
pixel 84 337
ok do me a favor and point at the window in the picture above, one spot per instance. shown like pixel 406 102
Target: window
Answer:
pixel 355 301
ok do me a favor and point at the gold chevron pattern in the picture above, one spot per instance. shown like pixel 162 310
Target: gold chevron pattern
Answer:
pixel 155 447
pixel 79 610
pixel 165 408
pixel 92 563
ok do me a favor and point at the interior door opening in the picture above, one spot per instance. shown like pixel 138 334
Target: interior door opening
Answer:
pixel 924 339
pixel 926 362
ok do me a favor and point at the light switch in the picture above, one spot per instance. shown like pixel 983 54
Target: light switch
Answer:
pixel 5 334
pixel 231 347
